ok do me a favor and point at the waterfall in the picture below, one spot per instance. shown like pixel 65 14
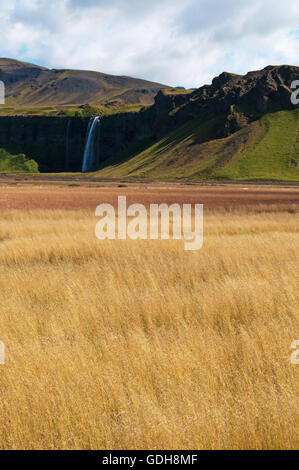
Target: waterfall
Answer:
pixel 67 147
pixel 90 151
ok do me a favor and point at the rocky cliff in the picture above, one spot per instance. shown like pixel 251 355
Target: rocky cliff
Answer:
pixel 242 99
pixel 57 144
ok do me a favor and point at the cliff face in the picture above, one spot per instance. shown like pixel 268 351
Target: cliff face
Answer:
pixel 121 132
pixel 44 140
pixel 57 144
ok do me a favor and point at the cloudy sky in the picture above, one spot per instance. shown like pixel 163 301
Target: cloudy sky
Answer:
pixel 176 42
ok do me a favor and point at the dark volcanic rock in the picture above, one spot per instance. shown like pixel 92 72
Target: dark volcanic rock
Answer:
pixel 44 140
pixel 256 91
pixel 57 144
pixel 241 98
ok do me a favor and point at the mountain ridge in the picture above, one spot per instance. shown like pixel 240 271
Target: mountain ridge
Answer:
pixel 33 85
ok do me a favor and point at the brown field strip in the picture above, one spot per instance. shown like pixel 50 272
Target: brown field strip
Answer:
pixel 27 197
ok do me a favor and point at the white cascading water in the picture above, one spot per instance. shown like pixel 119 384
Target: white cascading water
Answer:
pixel 89 157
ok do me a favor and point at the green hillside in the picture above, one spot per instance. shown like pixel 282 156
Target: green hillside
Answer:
pixel 267 149
pixel 16 163
pixel 274 155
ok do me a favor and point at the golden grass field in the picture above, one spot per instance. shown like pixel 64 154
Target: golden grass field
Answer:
pixel 142 345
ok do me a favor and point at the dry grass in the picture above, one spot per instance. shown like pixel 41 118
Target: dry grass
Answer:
pixel 142 345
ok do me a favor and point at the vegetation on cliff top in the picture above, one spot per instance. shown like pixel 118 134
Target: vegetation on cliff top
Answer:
pixel 176 91
pixel 82 111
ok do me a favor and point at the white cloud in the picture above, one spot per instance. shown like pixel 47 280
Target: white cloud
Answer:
pixel 169 41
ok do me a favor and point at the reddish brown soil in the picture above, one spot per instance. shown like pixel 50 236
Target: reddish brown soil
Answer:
pixel 39 195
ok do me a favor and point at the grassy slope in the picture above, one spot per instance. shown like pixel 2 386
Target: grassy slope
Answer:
pixel 16 163
pixel 271 157
pixel 262 150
